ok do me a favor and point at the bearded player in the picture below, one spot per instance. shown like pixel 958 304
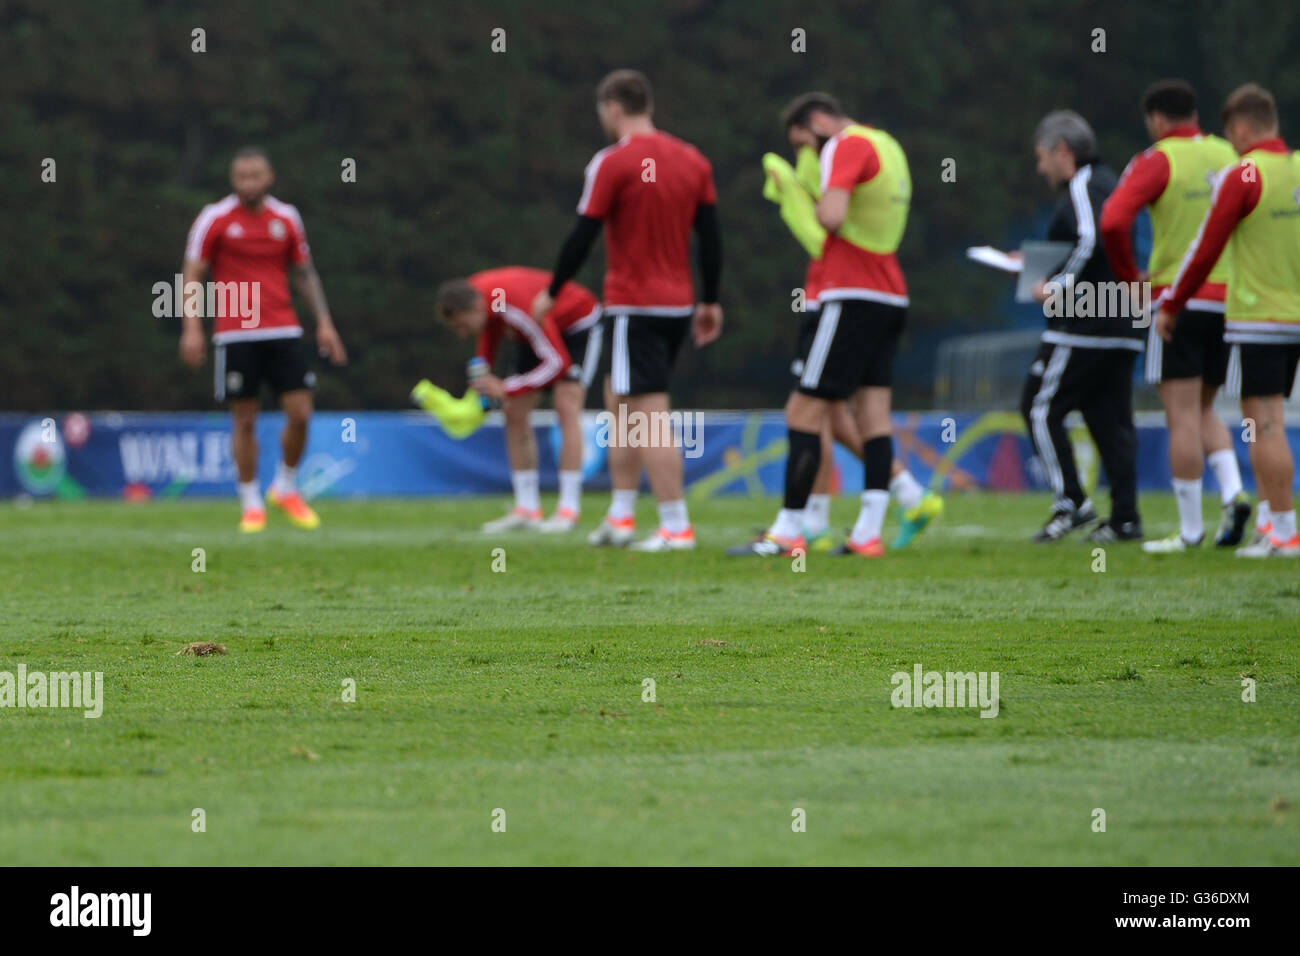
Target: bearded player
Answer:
pixel 249 242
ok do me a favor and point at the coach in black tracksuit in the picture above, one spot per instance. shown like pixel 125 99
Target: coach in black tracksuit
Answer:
pixel 1086 358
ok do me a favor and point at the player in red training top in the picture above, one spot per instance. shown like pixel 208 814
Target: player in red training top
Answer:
pixel 1255 217
pixel 559 353
pixel 249 241
pixel 648 190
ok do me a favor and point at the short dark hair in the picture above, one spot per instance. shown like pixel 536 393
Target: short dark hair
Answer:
pixel 1252 103
pixel 454 296
pixel 1176 99
pixel 629 89
pixel 801 108
pixel 251 152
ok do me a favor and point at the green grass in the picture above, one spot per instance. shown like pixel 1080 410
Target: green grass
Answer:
pixel 523 691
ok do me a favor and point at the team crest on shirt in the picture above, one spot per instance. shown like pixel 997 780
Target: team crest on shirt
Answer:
pixel 1296 196
pixel 235 231
pixel 234 381
pixel 1210 176
pixel 276 229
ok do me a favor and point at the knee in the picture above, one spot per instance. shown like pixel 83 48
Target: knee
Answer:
pixel 516 413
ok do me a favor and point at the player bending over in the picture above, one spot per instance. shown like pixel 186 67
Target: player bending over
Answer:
pixel 249 241
pixel 559 354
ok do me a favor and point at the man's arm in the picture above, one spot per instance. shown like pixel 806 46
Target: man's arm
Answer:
pixel 572 255
pixel 846 164
pixel 308 283
pixel 1085 232
pixel 192 347
pixel 710 252
pixel 1142 183
pixel 547 344
pixel 832 208
pixel 577 245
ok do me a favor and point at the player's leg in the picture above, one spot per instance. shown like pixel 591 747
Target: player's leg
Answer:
pixel 238 378
pixel 917 505
pixel 568 396
pixel 1222 458
pixel 297 407
pixel 1267 374
pixel 1033 383
pixel 1181 398
pixel 521 452
pixel 872 408
pixel 243 440
pixel 1270 457
pixel 817 512
pixel 1063 385
pixel 665 471
pixel 1108 412
pixel 806 418
pixel 879 329
pixel 826 368
pixel 643 350
pixel 1216 440
pixel 618 527
pixel 284 364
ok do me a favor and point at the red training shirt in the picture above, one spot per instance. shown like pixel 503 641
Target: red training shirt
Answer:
pixel 508 293
pixel 253 248
pixel 647 188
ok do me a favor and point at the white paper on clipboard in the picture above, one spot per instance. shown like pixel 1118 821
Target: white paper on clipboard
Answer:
pixel 995 258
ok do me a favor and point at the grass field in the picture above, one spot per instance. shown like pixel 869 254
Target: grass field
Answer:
pixel 522 690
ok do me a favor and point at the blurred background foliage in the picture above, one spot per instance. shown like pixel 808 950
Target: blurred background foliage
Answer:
pixel 468 158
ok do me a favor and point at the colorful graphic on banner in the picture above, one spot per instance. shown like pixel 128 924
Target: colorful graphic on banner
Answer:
pixel 361 454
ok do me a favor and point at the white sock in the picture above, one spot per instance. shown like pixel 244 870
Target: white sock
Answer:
pixel 250 496
pixel 906 489
pixel 571 490
pixel 1226 472
pixel 1283 525
pixel 673 517
pixel 622 505
pixel 816 514
pixel 526 496
pixel 286 479
pixel 788 524
pixel 1263 517
pixel 1187 494
pixel 871 518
